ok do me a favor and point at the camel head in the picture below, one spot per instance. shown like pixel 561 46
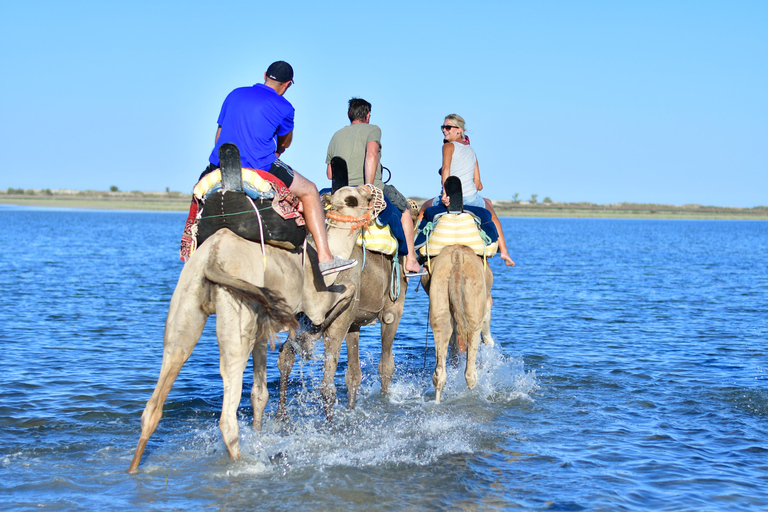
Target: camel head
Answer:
pixel 351 200
pixel 350 210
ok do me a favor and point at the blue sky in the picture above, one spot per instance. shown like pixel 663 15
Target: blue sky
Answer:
pixel 599 101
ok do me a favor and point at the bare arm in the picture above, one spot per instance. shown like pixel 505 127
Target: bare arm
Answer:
pixel 371 161
pixel 218 132
pixel 478 183
pixel 283 142
pixel 447 157
pixel 329 172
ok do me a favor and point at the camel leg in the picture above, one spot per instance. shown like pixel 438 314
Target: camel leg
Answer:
pixel 332 345
pixel 285 362
pixel 486 331
pixel 259 391
pixel 471 371
pixel 387 361
pixel 354 376
pixel 440 320
pixel 235 345
pixel 182 331
pixel 487 338
pixel 456 345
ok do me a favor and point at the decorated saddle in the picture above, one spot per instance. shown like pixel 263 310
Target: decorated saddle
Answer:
pixel 456 225
pixel 253 204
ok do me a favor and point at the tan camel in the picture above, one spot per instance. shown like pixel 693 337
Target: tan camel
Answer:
pixel 226 276
pixel 373 301
pixel 459 289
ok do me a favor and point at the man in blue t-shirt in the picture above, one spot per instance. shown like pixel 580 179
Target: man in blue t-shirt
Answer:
pixel 259 121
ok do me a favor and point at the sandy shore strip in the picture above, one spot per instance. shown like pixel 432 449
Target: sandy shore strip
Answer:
pixel 180 203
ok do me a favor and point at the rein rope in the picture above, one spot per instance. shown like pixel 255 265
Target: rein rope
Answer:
pixel 261 232
pixel 333 219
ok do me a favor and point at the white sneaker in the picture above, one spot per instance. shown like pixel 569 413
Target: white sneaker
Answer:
pixel 336 265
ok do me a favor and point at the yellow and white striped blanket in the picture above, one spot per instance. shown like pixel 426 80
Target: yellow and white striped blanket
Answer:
pixel 378 239
pixel 457 229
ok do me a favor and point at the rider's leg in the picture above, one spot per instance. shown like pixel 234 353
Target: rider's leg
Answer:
pixel 502 242
pixel 411 263
pixel 406 220
pixel 314 217
pixel 306 191
pixel 427 204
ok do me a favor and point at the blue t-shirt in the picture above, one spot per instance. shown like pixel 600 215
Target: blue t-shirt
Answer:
pixel 252 118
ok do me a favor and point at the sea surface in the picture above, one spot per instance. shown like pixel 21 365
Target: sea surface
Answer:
pixel 629 373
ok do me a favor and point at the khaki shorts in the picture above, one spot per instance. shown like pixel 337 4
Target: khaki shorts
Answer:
pixel 396 198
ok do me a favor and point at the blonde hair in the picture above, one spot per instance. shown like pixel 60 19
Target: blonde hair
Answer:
pixel 456 118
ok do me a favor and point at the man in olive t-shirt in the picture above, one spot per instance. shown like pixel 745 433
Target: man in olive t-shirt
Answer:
pixel 359 144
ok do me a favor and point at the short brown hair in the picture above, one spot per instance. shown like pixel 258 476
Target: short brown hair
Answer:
pixel 358 109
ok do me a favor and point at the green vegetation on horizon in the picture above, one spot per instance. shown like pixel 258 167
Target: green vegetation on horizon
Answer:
pixel 177 201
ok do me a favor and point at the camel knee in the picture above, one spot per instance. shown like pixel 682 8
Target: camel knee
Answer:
pixel 150 417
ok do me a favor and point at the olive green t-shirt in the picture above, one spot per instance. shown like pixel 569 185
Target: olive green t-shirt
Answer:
pixel 349 143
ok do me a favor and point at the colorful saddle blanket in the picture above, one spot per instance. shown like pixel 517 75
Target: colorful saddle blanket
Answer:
pixel 473 228
pixel 264 211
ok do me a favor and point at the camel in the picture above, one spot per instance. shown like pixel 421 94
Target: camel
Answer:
pixel 373 301
pixel 459 289
pixel 253 299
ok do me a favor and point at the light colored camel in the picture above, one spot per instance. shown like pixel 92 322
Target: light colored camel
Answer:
pixel 226 276
pixel 459 289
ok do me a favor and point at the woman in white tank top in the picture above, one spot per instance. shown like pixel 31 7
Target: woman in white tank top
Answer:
pixel 459 160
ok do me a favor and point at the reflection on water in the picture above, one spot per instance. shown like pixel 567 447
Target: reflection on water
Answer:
pixel 629 374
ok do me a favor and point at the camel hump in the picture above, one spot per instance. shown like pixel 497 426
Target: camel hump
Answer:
pixel 231 171
pixel 339 173
pixel 455 196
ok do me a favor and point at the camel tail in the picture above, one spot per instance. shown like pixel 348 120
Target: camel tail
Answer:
pixel 457 297
pixel 272 309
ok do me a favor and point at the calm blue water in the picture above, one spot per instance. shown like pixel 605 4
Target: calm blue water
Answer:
pixel 631 375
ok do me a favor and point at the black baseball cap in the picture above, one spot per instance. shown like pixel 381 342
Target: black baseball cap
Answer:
pixel 280 71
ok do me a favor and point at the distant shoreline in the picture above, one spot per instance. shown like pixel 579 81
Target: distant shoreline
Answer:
pixel 176 201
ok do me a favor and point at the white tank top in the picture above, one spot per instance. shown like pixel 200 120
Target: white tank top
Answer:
pixel 463 167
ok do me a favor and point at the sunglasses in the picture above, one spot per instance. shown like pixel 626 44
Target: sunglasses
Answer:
pixel 447 127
